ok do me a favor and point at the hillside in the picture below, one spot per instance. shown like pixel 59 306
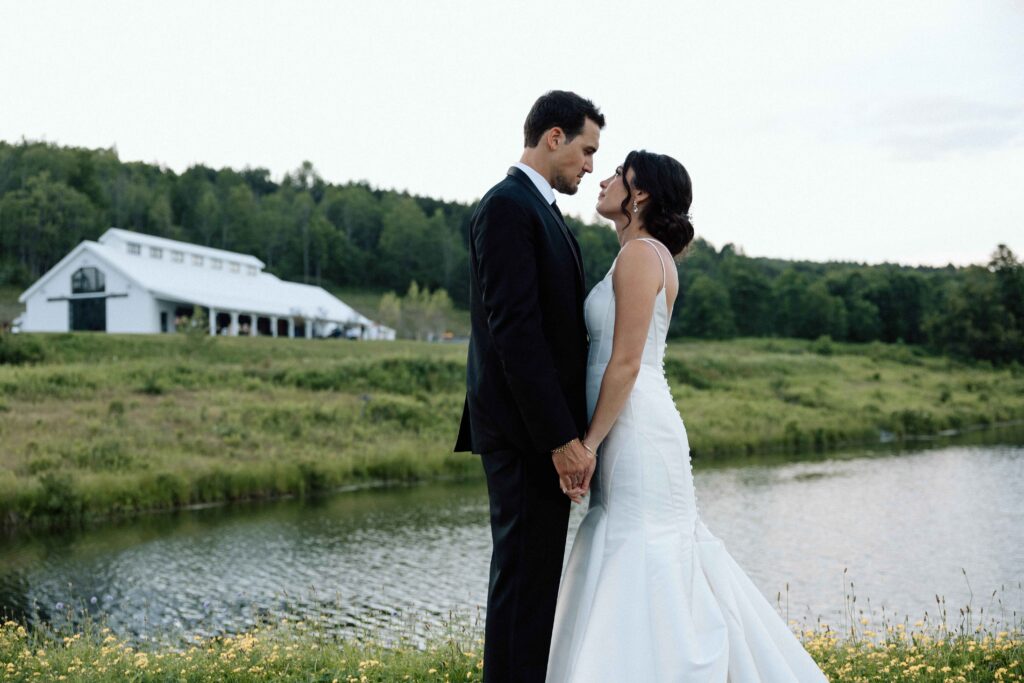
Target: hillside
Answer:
pixel 94 425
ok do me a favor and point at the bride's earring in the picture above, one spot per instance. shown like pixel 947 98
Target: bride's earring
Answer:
pixel 636 209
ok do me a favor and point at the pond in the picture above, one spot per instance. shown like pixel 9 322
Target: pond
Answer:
pixel 903 528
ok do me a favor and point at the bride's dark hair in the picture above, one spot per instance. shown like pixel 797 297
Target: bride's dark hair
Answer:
pixel 666 212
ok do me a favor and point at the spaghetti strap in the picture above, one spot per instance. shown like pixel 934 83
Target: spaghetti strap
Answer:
pixel 661 259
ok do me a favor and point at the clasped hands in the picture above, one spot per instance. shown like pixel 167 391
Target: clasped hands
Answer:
pixel 575 465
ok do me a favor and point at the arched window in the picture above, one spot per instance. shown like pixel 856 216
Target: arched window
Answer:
pixel 87 280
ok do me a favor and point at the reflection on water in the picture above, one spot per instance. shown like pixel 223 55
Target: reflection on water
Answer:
pixel 905 527
pixel 357 558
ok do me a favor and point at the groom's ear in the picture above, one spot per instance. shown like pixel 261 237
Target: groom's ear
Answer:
pixel 553 137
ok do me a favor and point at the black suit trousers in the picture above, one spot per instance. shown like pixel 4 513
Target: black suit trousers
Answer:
pixel 529 521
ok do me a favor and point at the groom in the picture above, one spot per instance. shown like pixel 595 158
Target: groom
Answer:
pixel 526 378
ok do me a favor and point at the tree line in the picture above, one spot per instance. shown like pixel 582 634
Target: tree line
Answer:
pixel 310 230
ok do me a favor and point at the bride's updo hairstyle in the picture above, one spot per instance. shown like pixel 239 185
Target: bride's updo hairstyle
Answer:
pixel 666 212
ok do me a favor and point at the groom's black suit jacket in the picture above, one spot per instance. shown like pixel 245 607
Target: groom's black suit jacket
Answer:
pixel 526 371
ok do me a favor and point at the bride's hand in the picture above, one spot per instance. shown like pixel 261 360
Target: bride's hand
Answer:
pixel 575 495
pixel 577 492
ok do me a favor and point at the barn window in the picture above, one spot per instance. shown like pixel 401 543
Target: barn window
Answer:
pixel 250 270
pixel 178 256
pixel 197 260
pixel 134 248
pixel 87 280
pixel 234 266
pixel 156 252
pixel 216 264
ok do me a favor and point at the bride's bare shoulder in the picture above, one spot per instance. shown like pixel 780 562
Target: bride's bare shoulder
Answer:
pixel 638 266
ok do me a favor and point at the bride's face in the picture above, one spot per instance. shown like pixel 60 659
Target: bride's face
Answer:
pixel 613 192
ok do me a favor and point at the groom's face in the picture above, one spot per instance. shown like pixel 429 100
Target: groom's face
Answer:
pixel 574 159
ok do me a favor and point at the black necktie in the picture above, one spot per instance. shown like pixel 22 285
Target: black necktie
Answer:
pixel 554 205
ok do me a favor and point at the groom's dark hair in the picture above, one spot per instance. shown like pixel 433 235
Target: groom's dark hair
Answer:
pixel 561 109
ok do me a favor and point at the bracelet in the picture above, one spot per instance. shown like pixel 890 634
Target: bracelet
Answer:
pixel 563 447
pixel 589 449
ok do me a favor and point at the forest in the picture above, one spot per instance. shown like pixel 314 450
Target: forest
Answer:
pixel 307 229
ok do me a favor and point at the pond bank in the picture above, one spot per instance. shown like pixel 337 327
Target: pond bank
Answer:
pixel 98 426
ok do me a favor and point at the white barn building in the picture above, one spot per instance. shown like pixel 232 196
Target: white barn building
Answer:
pixel 128 282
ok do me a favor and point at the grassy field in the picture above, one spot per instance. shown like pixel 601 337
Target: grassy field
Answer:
pixel 297 651
pixel 98 425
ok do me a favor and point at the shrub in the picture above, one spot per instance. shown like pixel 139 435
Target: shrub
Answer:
pixel 58 497
pixel 823 346
pixel 20 349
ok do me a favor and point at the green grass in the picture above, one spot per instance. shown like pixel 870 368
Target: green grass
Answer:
pixel 109 425
pixel 300 651
pixel 755 396
pixel 100 425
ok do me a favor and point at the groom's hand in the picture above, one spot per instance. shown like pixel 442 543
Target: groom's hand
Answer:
pixel 575 465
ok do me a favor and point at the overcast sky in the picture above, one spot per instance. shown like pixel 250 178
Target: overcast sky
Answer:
pixel 867 131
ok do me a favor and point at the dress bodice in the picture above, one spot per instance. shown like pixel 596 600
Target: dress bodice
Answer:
pixel 599 310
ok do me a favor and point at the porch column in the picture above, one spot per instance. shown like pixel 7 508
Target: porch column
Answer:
pixel 233 329
pixel 273 326
pixel 291 328
pixel 307 327
pixel 213 322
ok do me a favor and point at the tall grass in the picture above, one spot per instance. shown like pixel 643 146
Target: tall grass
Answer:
pixel 304 651
pixel 95 425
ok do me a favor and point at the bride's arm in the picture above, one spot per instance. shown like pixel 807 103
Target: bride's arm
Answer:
pixel 637 279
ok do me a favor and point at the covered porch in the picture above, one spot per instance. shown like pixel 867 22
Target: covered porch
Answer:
pixel 248 324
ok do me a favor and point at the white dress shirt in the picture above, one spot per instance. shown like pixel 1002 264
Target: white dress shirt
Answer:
pixel 538 180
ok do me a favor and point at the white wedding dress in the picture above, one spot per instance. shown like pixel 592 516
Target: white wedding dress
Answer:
pixel 649 594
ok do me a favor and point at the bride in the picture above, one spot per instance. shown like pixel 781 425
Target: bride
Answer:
pixel 649 594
